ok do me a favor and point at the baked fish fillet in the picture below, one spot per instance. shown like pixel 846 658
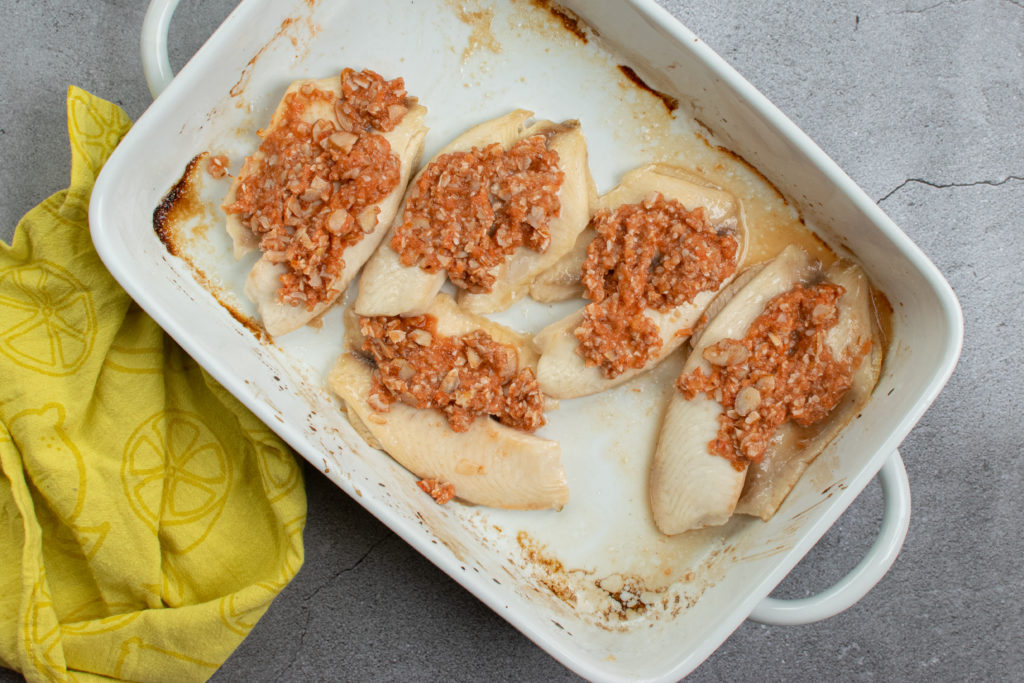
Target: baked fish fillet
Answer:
pixel 561 281
pixel 490 464
pixel 262 285
pixel 562 372
pixel 387 287
pixel 691 487
pixel 770 480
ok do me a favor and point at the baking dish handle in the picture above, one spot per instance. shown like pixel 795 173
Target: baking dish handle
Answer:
pixel 870 570
pixel 156 65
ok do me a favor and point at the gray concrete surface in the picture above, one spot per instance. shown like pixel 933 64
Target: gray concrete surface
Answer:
pixel 920 101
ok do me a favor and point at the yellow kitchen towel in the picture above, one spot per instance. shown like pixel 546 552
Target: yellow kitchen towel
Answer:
pixel 147 519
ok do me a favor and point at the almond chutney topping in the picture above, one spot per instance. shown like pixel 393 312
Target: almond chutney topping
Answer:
pixel 470 210
pixel 655 254
pixel 312 193
pixel 464 376
pixel 781 370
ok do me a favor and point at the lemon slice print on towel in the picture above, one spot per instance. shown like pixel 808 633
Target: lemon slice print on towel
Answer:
pixel 279 472
pixel 98 616
pixel 241 610
pixel 41 632
pixel 48 316
pixel 176 476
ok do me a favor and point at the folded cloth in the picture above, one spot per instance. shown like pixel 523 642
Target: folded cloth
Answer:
pixel 147 519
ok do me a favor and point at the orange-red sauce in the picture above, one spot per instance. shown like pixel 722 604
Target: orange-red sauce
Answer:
pixel 218 166
pixel 656 254
pixel 310 193
pixel 781 370
pixel 470 210
pixel 464 377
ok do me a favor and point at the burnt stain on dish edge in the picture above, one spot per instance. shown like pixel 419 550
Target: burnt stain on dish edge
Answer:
pixel 171 203
pixel 569 19
pixel 752 168
pixel 671 103
pixel 883 314
pixel 178 204
pixel 625 599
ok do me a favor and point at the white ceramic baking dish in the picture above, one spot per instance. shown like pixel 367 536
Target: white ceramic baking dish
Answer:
pixel 593 585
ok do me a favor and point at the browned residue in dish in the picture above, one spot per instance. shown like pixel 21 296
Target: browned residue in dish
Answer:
pixel 282 32
pixel 621 597
pixel 177 207
pixel 630 596
pixel 671 103
pixel 703 125
pixel 243 80
pixel 569 19
pixel 750 167
pixel 479 20
pixel 181 200
pixel 245 321
pixel 552 573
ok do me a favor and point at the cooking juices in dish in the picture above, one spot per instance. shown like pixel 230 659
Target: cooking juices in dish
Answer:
pixel 322 190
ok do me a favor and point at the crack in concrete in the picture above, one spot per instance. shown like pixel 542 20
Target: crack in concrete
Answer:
pixel 309 613
pixel 949 3
pixel 298 649
pixel 928 8
pixel 344 570
pixel 942 186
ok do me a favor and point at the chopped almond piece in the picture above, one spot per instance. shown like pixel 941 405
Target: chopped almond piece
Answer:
pixel 441 492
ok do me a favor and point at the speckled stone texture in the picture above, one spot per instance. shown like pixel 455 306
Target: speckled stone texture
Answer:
pixel 920 101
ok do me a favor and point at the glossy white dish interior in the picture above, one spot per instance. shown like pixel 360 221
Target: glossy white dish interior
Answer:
pixel 465 75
